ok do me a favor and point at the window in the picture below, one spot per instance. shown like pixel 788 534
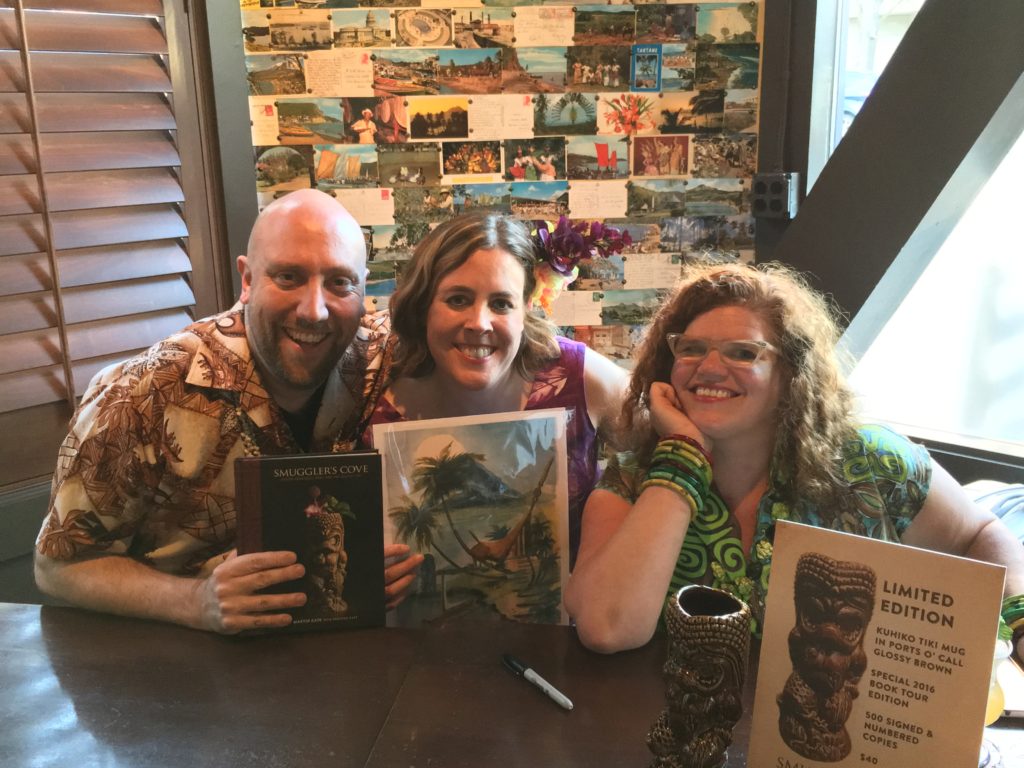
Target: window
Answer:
pixel 958 337
pixel 99 255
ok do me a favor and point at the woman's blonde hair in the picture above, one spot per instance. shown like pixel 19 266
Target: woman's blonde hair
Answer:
pixel 446 249
pixel 815 413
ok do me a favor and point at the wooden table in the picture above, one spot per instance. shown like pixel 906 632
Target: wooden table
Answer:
pixel 85 689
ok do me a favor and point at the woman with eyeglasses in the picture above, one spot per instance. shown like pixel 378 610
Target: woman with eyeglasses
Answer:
pixel 751 422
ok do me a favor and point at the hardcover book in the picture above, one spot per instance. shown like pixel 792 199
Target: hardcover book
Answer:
pixel 327 509
pixel 873 654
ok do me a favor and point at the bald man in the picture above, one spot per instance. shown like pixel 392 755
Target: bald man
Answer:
pixel 141 520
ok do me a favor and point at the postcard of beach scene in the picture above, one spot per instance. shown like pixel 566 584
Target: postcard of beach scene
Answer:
pixel 485 500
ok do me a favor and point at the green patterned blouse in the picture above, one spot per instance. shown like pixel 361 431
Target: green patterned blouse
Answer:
pixel 888 478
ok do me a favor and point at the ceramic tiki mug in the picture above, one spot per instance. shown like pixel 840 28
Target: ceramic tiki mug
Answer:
pixel 709 643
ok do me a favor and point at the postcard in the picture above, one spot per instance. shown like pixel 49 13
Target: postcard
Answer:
pixel 656 198
pixel 341 71
pixel 405 72
pixel 534 70
pixel 604 25
pixel 598 199
pixel 483 29
pixel 470 161
pixel 597 157
pixel 728 66
pixel 423 27
pixel 908 637
pixel 577 308
pixel 396 242
pixel 470 70
pixel 283 169
pixel 540 199
pixel 601 67
pixel 678 61
pixel 263 117
pixel 571 113
pixel 255 31
pixel 601 274
pixel 661 155
pixel 741 110
pixel 536 159
pixel 344 166
pixel 485 499
pixel 361 28
pixel 543 25
pixel 300 30
pixel 417 205
pixel 368 206
pixel 716 197
pixel 665 23
pixel 631 307
pixel 409 165
pixel 490 197
pixel 438 117
pixel 507 116
pixel 645 68
pixel 269 75
pixel 616 342
pixel 727 22
pixel 651 270
pixel 734 156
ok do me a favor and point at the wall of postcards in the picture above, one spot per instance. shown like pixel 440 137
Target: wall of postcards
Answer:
pixel 642 115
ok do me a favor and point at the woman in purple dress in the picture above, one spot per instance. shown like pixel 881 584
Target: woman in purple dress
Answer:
pixel 465 342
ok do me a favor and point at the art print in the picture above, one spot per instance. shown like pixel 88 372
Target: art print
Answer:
pixel 485 499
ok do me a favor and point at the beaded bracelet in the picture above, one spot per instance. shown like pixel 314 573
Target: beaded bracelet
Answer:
pixel 690 441
pixel 680 464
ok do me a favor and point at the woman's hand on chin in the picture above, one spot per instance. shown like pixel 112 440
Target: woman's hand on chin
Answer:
pixel 668 417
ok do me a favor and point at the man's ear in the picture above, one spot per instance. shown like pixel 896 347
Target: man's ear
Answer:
pixel 243 269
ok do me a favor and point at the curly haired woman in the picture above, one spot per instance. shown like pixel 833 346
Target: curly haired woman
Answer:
pixel 751 422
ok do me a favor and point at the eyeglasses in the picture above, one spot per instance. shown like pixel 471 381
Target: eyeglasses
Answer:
pixel 739 354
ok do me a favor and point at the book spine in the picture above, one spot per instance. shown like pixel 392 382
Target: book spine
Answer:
pixel 248 506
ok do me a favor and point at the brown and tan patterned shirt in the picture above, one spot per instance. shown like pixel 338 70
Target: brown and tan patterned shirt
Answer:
pixel 147 469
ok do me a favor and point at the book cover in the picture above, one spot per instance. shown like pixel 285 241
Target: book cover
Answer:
pixel 873 654
pixel 327 508
pixel 485 499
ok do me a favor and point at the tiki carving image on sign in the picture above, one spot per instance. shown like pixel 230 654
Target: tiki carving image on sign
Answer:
pixel 325 558
pixel 709 641
pixel 834 600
